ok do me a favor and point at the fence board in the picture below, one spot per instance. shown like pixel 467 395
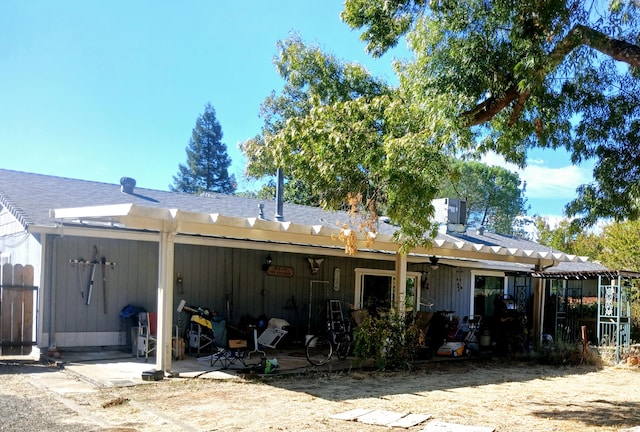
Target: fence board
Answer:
pixel 16 306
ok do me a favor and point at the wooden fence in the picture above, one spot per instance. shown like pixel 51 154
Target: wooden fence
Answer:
pixel 17 297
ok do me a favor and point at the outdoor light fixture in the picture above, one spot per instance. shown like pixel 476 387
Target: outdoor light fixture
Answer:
pixel 267 263
pixel 434 263
pixel 179 285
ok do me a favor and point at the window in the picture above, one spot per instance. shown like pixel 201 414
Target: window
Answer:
pixel 375 290
pixel 487 289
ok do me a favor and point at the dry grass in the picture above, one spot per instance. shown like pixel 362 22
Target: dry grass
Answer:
pixel 514 397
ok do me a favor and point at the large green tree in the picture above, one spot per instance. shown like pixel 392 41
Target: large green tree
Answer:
pixel 571 239
pixel 502 76
pixel 494 196
pixel 526 73
pixel 343 134
pixel 295 191
pixel 207 167
pixel 621 245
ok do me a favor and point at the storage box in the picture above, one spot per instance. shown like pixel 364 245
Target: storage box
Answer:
pixel 237 343
pixel 152 375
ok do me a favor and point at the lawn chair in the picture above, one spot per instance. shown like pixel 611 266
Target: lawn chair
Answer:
pixel 148 335
pixel 221 353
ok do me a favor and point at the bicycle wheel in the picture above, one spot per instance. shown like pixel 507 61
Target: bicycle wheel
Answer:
pixel 343 347
pixel 318 350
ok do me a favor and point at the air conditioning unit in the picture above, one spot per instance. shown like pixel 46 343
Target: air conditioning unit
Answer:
pixel 450 211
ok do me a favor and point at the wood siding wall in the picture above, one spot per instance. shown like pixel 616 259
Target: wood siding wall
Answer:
pixel 17 245
pixel 133 280
pixel 229 280
pixel 448 287
pixel 212 275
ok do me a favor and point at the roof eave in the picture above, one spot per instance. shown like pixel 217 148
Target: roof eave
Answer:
pixel 215 224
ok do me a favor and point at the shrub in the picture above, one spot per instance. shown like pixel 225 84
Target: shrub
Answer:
pixel 561 353
pixel 390 341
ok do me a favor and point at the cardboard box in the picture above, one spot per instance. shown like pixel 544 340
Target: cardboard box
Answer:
pixel 237 343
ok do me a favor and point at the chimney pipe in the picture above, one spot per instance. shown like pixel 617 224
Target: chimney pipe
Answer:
pixel 279 197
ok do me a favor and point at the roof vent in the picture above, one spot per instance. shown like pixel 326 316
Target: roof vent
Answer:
pixel 127 184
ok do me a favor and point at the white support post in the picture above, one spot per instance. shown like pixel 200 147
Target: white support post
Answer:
pixel 165 299
pixel 538 310
pixel 401 284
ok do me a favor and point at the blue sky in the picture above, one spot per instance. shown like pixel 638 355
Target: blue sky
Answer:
pixel 101 90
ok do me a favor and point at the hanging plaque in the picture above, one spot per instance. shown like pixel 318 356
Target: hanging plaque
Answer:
pixel 280 271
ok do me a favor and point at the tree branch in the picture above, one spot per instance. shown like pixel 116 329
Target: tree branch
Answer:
pixel 616 49
pixel 517 109
pixel 579 35
pixel 487 109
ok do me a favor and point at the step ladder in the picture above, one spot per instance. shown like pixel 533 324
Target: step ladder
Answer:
pixel 334 315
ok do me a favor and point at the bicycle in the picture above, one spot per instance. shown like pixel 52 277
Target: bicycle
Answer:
pixel 320 348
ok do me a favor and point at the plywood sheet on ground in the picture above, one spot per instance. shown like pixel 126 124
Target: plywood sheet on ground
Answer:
pixel 439 426
pixel 382 417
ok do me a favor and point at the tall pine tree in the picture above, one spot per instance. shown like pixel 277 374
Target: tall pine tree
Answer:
pixel 207 159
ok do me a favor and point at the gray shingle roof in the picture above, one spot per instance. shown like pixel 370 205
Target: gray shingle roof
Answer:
pixel 30 197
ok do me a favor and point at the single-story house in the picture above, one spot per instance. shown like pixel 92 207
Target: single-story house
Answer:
pixel 76 253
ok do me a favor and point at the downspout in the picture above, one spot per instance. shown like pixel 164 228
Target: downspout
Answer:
pixel 165 295
pixel 52 292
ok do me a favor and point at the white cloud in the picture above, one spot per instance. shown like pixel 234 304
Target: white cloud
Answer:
pixel 545 182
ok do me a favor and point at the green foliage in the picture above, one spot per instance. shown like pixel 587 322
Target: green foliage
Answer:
pixel 340 133
pixel 578 310
pixel 207 164
pixel 486 76
pixel 493 195
pixel 571 239
pixel 390 341
pixel 295 191
pixel 635 313
pixel 558 74
pixel 621 246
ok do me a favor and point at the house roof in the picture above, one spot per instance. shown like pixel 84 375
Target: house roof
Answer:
pixel 584 270
pixel 42 201
pixel 30 197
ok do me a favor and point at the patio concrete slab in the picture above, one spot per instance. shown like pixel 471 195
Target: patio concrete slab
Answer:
pixel 104 369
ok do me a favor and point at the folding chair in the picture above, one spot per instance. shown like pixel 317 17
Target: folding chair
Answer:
pixel 221 353
pixel 148 334
pixel 200 335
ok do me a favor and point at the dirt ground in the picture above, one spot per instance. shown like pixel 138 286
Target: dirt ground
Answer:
pixel 514 397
